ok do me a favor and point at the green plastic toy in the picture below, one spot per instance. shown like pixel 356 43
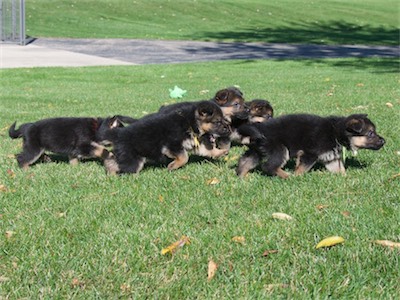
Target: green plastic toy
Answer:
pixel 177 92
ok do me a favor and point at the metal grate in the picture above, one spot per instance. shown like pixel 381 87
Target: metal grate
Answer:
pixel 12 21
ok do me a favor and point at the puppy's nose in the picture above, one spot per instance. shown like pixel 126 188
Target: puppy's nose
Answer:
pixel 382 141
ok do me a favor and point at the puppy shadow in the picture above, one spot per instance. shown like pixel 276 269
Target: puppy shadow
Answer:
pixel 350 163
pixel 56 158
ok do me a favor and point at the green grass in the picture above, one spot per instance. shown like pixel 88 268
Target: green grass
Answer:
pixel 284 21
pixel 80 234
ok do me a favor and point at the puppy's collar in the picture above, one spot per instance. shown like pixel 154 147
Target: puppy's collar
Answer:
pixel 195 138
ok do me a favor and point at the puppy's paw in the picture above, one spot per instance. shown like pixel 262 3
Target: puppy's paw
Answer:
pixel 111 166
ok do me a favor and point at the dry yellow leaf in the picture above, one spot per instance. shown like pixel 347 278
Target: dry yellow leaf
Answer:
pixel 239 239
pixel 3 188
pixel 212 269
pixel 346 213
pixel 388 104
pixel 268 252
pixel 322 206
pixel 213 181
pixel 9 234
pixel 174 246
pixel 330 241
pixel 281 216
pixel 387 243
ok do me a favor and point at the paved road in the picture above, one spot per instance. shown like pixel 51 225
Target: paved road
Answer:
pixel 89 52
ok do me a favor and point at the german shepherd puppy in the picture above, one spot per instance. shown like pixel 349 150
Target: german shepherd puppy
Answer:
pixel 309 138
pixel 232 104
pixel 256 111
pixel 166 135
pixel 76 137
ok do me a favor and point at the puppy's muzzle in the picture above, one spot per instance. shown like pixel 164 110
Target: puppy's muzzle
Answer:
pixel 379 144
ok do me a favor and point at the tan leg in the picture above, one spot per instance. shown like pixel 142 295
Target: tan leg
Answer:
pixel 73 161
pixel 336 166
pixel 282 174
pixel 111 165
pixel 178 161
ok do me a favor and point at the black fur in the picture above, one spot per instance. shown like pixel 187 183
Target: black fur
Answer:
pixel 257 110
pixel 75 137
pixel 309 138
pixel 170 135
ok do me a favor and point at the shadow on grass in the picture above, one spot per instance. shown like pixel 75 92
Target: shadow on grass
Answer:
pixel 332 32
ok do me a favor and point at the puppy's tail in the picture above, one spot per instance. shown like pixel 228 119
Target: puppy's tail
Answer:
pixel 14 133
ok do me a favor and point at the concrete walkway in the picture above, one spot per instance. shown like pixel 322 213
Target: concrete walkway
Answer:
pixel 49 52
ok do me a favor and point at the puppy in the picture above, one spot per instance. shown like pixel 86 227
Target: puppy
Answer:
pixel 75 137
pixel 256 111
pixel 309 138
pixel 166 135
pixel 232 104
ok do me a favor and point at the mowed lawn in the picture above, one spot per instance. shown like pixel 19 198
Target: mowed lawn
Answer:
pixel 286 21
pixel 73 232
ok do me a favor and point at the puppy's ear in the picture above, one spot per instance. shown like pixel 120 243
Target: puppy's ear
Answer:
pixel 221 97
pixel 206 110
pixel 355 125
pixel 114 122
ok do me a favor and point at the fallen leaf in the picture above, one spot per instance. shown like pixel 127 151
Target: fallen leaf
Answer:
pixel 10 173
pixel 3 188
pixel 212 269
pixel 213 181
pixel 77 283
pixel 9 234
pixel 238 239
pixel 330 241
pixel 160 198
pixel 387 243
pixel 203 92
pixel 61 214
pixel 388 104
pixel 231 158
pixel 268 252
pixel 3 279
pixel 281 216
pixel 322 206
pixel 272 286
pixel 125 288
pixel 360 84
pixel 346 213
pixel 174 246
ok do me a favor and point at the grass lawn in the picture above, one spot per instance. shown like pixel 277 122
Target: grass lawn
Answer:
pixel 285 21
pixel 73 232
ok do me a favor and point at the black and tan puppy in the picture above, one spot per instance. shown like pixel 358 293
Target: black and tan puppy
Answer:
pixel 256 111
pixel 232 104
pixel 75 137
pixel 166 135
pixel 309 138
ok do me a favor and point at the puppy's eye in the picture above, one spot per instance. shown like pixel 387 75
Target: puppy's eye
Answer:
pixel 370 134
